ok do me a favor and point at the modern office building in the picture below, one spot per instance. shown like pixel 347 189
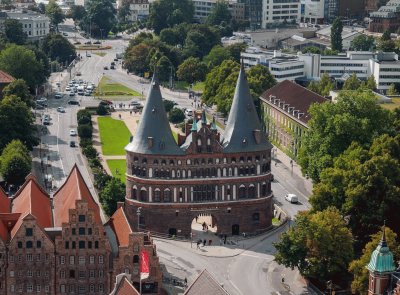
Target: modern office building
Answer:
pixel 312 11
pixel 226 176
pixel 203 8
pixel 138 9
pixel 279 11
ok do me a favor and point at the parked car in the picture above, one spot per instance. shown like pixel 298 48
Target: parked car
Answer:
pixel 68 88
pixel 72 132
pixel 65 34
pixel 72 143
pixel 78 73
pixel 73 102
pixel 88 43
pixel 105 68
pixel 97 42
pixel 72 93
pixel 112 67
pixel 113 63
pixel 41 100
pixel 292 198
pixel 58 95
pixel 60 110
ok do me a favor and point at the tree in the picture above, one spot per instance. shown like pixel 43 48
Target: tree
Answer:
pixel 16 163
pixel 236 49
pixel 176 116
pixel 392 90
pixel 357 267
pixel 323 86
pixel 136 58
pixel 19 88
pixel 22 63
pixel 363 43
pixel 319 245
pixel 112 193
pixel 387 45
pixel 167 13
pixel 386 35
pixel 170 36
pixel 192 70
pixel 16 122
pixel 216 56
pixel 78 12
pixel 219 13
pixel 334 126
pixel 164 68
pixel 54 12
pixel 312 49
pixel 14 32
pixel 58 48
pixel 336 35
pixel 100 18
pixel 42 8
pixel 369 84
pixel 169 105
pixel 199 40
pixel 363 184
pixel 352 83
pixel 85 131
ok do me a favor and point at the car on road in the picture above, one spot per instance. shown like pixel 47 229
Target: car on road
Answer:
pixel 115 59
pixel 72 143
pixel 72 132
pixel 58 84
pixel 88 43
pixel 112 67
pixel 77 43
pixel 68 88
pixel 60 110
pixel 292 198
pixel 97 42
pixel 65 34
pixel 72 93
pixel 41 100
pixel 105 68
pixel 113 63
pixel 73 102
pixel 88 55
pixel 78 73
pixel 38 106
pixel 58 95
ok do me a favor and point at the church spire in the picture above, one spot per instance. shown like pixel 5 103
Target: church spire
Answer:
pixel 243 129
pixel 154 135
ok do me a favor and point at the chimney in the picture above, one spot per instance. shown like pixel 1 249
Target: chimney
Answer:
pixel 257 135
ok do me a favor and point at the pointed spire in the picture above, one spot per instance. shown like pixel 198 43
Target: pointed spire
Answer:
pixel 154 135
pixel 203 117
pixel 242 129
pixel 213 124
pixel 383 242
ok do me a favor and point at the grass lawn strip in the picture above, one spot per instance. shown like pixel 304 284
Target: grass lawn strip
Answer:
pixel 114 136
pixel 391 105
pixel 117 168
pixel 108 87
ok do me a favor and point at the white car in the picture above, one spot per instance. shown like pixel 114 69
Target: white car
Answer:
pixel 67 88
pixel 72 132
pixel 292 198
pixel 41 100
pixel 60 110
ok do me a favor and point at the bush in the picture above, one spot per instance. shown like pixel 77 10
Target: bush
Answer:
pixel 83 113
pixel 85 142
pixel 85 131
pixel 101 178
pixel 176 116
pixel 90 152
pixel 169 105
pixel 95 163
pixel 101 110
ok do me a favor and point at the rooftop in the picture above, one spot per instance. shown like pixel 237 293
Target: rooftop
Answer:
pixel 123 286
pixel 205 284
pixel 5 78
pixel 120 224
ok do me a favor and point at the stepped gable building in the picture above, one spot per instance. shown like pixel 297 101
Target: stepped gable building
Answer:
pixel 60 245
pixel 226 176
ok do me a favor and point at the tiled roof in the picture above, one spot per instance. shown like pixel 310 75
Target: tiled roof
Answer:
pixel 123 286
pixel 295 97
pixel 205 284
pixel 7 223
pixel 119 223
pixel 4 202
pixel 5 78
pixel 73 189
pixel 32 198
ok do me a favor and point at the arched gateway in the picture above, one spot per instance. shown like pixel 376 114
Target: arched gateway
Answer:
pixel 225 175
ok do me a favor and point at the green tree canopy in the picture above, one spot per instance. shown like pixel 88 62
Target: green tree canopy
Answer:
pixel 334 126
pixel 170 36
pixel 364 183
pixel 392 90
pixel 54 12
pixel 78 12
pixel 352 83
pixel 100 18
pixel 336 35
pixel 357 267
pixel 58 48
pixel 216 56
pixel 192 70
pixel 112 193
pixel 386 36
pixel 167 13
pixel 164 68
pixel 319 245
pixel 22 63
pixel 176 115
pixel 15 162
pixel 219 13
pixel 199 40
pixel 20 89
pixel 312 49
pixel 14 32
pixel 363 43
pixel 369 84
pixel 16 122
pixel 323 86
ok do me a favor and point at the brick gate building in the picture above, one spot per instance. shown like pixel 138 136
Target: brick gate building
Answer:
pixel 227 176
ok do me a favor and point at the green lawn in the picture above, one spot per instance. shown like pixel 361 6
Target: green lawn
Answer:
pixel 114 136
pixel 118 168
pixel 182 85
pixel 100 53
pixel 175 136
pixel 391 106
pixel 109 88
pixel 198 86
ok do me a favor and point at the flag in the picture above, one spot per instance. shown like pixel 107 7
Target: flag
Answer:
pixel 145 265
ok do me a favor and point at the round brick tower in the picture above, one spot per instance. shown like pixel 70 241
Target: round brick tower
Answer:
pixel 227 177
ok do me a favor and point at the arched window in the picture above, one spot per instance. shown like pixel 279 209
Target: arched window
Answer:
pixel 155 162
pixel 199 142
pixel 249 159
pixel 178 174
pixel 134 193
pixel 171 162
pixel 230 171
pixel 143 195
pixel 144 172
pixel 29 244
pixel 144 161
pixel 242 192
pixel 136 259
pixel 264 189
pixel 252 191
pixel 136 159
pixel 167 196
pixel 157 195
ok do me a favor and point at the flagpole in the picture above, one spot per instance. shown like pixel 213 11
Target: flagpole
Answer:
pixel 140 284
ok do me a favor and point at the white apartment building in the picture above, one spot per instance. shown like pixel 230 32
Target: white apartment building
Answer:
pixel 312 11
pixel 384 66
pixel 139 9
pixel 35 25
pixel 278 11
pixel 203 8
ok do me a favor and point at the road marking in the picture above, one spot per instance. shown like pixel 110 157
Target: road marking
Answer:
pixel 58 147
pixel 249 255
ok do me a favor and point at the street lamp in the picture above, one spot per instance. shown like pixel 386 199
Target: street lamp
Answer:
pixel 138 213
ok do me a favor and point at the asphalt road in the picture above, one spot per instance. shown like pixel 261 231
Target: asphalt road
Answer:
pixel 252 272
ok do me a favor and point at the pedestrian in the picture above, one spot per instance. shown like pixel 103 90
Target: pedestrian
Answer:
pixel 220 242
pixel 198 245
pixel 224 239
pixel 130 113
pixel 276 164
pixel 204 242
pixel 119 115
pixel 185 281
pixel 209 242
pixel 196 218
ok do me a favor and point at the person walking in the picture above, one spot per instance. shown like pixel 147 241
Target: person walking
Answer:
pixel 204 242
pixel 198 245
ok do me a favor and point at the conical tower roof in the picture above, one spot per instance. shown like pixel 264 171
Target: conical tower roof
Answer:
pixel 154 135
pixel 382 259
pixel 243 132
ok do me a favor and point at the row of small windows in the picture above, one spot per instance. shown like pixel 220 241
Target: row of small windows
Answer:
pixel 29 288
pixel 29 244
pixel 203 161
pixel 82 245
pixel 29 273
pixel 91 273
pixel 82 259
pixel 29 257
pixel 83 289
